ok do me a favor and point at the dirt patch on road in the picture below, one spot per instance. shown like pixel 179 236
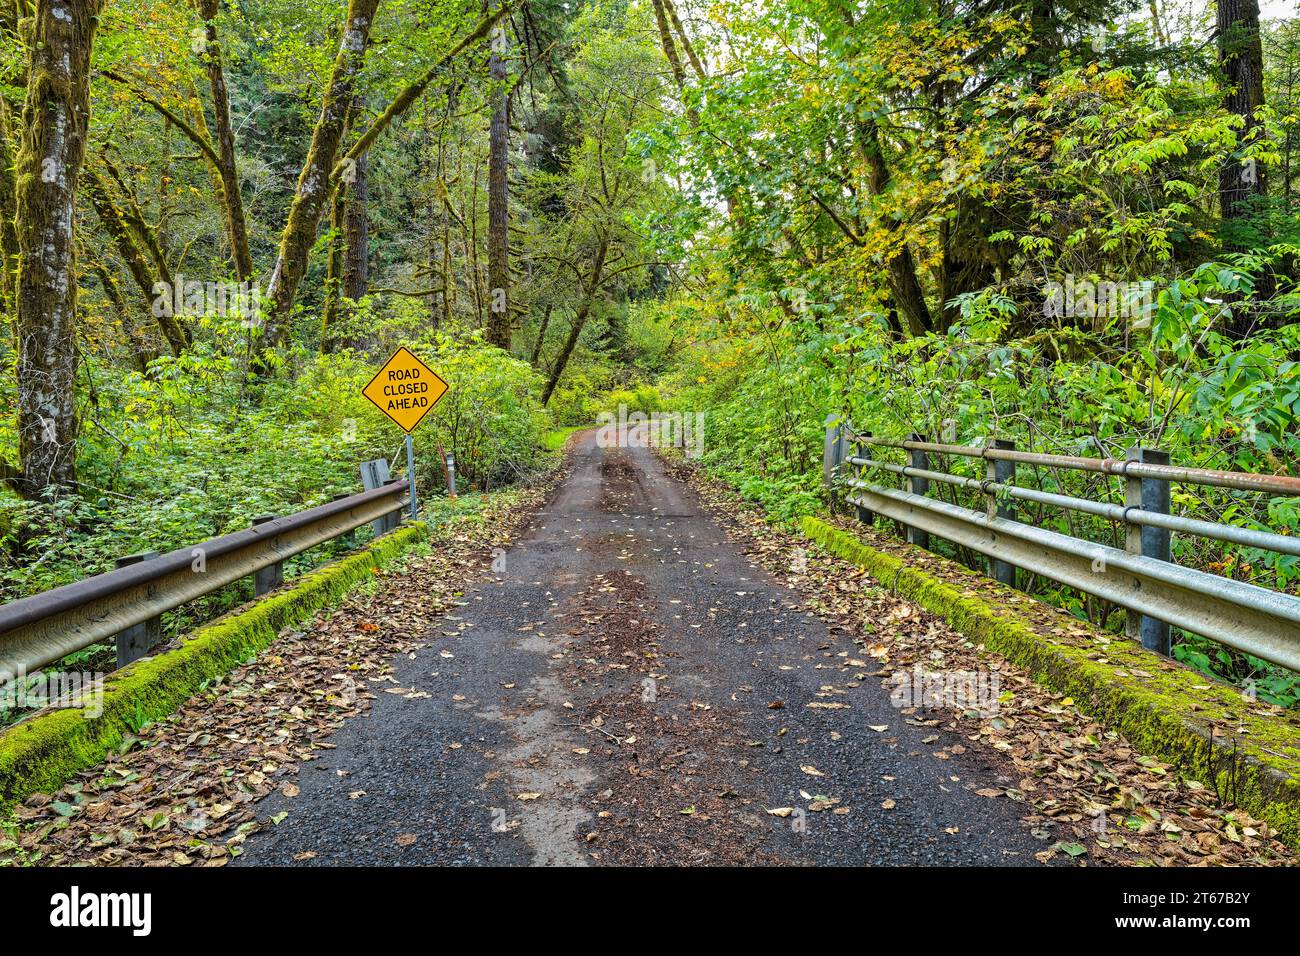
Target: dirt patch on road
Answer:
pixel 672 786
pixel 620 483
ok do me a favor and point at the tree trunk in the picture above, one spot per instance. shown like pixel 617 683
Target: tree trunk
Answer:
pixel 1241 58
pixel 579 320
pixel 965 267
pixel 696 65
pixel 433 256
pixel 541 336
pixel 356 232
pixel 903 282
pixel 498 320
pixel 333 272
pixel 8 199
pixel 669 46
pixel 232 198
pixel 137 263
pixel 471 245
pixel 55 118
pixel 9 133
pixel 136 339
pixel 1157 27
pixel 314 183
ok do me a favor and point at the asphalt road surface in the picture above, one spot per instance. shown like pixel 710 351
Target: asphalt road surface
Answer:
pixel 627 688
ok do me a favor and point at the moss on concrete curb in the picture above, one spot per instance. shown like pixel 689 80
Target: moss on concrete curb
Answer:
pixel 41 753
pixel 1209 733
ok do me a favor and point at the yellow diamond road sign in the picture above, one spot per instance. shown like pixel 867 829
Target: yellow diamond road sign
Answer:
pixel 405 389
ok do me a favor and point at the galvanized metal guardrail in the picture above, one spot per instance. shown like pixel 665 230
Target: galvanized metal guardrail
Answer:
pixel 1141 578
pixel 127 603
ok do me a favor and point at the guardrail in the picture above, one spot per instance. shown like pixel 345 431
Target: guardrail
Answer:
pixel 1140 578
pixel 127 603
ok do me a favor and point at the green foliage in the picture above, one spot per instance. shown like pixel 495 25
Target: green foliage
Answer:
pixel 186 454
pixel 575 402
pixel 643 398
pixel 492 420
pixel 1172 378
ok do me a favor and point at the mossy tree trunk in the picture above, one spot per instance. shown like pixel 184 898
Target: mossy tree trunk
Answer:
pixel 142 352
pixel 535 358
pixel 1242 181
pixel 8 201
pixel 669 46
pixel 498 317
pixel 333 271
pixel 356 233
pixel 579 319
pixel 55 118
pixel 137 262
pixel 315 184
pixel 224 131
pixel 324 168
pixel 696 65
pixel 347 271
pixel 9 134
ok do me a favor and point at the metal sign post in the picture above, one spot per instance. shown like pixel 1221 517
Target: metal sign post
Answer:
pixel 410 473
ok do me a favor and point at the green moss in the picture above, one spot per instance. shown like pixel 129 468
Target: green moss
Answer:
pixel 40 754
pixel 1202 727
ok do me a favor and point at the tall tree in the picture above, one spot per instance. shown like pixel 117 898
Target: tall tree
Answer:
pixel 1241 58
pixel 147 277
pixel 356 233
pixel 315 183
pixel 498 318
pixel 233 200
pixel 55 119
pixel 9 36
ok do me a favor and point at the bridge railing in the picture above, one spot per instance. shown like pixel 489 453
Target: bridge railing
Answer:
pixel 127 603
pixel 1141 577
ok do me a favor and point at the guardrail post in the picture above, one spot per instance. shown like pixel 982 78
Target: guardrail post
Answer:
pixel 1004 473
pixel 271 576
pixel 374 474
pixel 833 453
pixel 861 450
pixel 136 641
pixel 393 518
pixel 1148 494
pixel 920 486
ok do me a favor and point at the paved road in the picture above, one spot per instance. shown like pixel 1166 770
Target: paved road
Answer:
pixel 627 688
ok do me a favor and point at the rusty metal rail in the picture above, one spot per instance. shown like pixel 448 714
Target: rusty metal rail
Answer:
pixel 1120 467
pixel 1140 578
pixel 44 628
